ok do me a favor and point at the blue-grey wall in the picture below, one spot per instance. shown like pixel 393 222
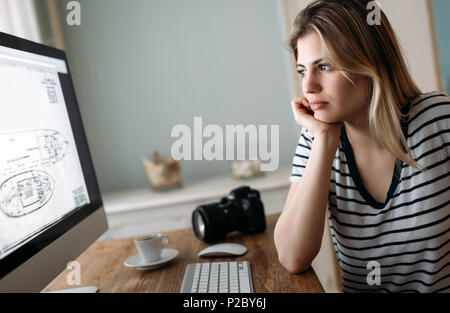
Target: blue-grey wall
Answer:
pixel 140 67
pixel 441 12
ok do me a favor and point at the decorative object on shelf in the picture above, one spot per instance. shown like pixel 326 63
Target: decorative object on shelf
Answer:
pixel 163 172
pixel 246 169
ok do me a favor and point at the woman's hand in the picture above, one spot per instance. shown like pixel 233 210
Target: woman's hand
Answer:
pixel 304 116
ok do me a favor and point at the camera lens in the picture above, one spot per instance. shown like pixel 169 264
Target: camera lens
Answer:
pixel 199 225
pixel 210 222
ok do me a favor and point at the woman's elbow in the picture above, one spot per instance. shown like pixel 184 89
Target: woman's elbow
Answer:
pixel 294 266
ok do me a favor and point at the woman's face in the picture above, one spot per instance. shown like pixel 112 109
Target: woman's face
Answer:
pixel 320 82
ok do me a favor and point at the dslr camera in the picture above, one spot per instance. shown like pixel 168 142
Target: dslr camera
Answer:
pixel 241 210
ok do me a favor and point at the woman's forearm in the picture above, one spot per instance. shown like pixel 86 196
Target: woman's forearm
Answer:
pixel 299 229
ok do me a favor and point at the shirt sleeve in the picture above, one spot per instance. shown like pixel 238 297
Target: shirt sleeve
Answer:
pixel 301 156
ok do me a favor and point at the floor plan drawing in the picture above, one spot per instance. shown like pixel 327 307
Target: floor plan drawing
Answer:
pixel 26 192
pixel 41 176
pixel 52 145
pixel 32 148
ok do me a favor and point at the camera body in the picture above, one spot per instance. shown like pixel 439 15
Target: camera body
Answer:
pixel 242 210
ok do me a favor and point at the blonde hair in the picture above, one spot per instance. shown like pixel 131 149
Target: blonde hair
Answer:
pixel 354 46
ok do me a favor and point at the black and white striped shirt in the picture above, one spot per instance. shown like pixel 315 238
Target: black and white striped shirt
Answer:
pixel 408 236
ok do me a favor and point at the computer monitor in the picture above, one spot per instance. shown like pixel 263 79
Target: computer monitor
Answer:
pixel 50 204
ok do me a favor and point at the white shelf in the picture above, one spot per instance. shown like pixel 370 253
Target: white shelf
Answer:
pixel 194 190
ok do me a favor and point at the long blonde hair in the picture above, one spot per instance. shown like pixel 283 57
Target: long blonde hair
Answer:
pixel 354 46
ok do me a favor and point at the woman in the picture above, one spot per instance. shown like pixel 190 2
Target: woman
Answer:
pixel 373 150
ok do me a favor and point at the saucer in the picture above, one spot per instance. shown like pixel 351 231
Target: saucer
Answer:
pixel 136 261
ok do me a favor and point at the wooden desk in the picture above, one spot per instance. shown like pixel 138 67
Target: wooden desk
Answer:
pixel 102 265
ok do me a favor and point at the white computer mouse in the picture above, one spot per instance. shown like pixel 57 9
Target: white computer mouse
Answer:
pixel 223 249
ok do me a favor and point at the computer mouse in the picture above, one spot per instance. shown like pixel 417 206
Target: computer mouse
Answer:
pixel 223 249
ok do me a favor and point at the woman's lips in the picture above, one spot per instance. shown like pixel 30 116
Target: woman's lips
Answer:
pixel 318 105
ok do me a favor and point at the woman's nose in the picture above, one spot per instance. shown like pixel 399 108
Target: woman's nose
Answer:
pixel 311 84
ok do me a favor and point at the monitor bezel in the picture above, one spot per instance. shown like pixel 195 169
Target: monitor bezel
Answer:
pixel 16 258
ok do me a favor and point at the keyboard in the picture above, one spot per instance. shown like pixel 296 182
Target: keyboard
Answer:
pixel 217 277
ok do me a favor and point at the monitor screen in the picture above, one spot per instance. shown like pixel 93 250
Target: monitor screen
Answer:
pixel 47 181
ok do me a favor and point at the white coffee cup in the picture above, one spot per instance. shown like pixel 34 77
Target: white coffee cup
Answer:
pixel 150 246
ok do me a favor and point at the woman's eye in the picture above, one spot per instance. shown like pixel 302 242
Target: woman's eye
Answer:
pixel 324 67
pixel 301 72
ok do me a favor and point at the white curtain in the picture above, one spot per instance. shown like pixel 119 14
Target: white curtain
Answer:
pixel 19 18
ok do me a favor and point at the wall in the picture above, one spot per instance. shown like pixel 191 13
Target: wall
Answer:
pixel 441 12
pixel 141 67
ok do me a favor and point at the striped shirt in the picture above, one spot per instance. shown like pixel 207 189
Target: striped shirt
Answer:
pixel 406 239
